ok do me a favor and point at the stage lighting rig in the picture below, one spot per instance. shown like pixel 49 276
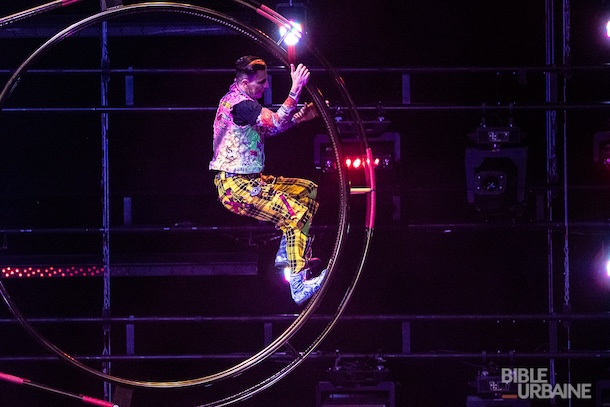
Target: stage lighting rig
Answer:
pixel 490 391
pixel 496 136
pixel 496 170
pixel 357 383
pixel 351 372
pixel 384 145
pixel 291 29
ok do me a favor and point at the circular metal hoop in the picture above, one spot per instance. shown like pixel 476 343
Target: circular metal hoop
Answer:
pixel 267 43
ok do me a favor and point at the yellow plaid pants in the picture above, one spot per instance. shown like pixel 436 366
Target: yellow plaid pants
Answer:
pixel 284 201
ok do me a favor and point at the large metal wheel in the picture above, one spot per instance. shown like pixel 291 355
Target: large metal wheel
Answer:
pixel 263 40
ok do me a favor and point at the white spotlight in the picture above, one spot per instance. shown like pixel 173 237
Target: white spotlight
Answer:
pixel 291 33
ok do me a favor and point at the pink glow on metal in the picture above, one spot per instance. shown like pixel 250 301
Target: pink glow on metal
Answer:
pixel 11 378
pixel 371 204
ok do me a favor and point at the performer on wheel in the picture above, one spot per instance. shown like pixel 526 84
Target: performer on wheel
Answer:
pixel 241 126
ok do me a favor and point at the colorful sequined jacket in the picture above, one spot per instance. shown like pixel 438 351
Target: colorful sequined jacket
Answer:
pixel 240 149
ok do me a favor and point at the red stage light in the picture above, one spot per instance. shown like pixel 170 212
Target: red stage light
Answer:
pixel 357 163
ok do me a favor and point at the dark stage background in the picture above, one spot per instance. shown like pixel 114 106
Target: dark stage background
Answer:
pixel 429 68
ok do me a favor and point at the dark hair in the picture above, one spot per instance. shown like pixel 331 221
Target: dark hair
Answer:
pixel 248 65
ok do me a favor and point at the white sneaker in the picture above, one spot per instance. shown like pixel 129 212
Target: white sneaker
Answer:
pixel 302 289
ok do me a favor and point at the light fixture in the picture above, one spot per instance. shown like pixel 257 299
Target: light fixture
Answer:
pixel 496 171
pixel 385 148
pixel 294 20
pixel 291 33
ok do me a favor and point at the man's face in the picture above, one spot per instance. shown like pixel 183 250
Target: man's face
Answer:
pixel 256 84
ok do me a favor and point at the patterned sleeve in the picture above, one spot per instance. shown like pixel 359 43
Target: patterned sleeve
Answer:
pixel 252 113
pixel 279 121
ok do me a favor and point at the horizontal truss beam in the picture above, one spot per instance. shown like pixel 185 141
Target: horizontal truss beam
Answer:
pixel 346 318
pixel 331 356
pixel 414 107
